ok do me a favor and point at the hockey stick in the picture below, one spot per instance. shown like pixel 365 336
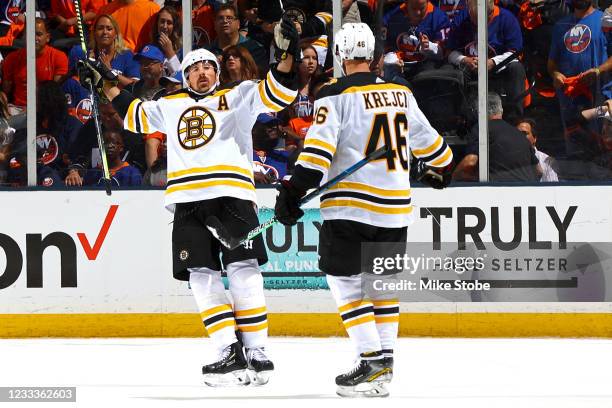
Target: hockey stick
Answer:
pixel 215 226
pixel 94 103
pixel 505 62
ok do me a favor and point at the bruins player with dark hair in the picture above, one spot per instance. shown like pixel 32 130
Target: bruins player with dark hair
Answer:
pixel 353 116
pixel 210 172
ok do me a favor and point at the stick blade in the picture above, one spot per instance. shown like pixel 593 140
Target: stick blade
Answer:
pixel 214 225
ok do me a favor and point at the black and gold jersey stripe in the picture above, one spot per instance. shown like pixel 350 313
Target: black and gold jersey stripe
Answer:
pixel 213 176
pixel 272 95
pixel 438 154
pixel 369 198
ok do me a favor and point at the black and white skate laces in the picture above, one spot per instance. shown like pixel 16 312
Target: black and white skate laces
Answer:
pixel 356 367
pixel 223 354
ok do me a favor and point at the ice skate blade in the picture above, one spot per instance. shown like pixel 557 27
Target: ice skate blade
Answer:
pixel 238 378
pixel 259 378
pixel 364 390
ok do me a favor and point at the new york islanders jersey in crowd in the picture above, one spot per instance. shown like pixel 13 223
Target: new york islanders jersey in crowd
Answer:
pixel 504 34
pixel 353 117
pixel 579 45
pixel 404 37
pixel 208 137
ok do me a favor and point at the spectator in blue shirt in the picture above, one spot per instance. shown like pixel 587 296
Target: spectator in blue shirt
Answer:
pixel 579 57
pixel 107 44
pixel 416 31
pixel 122 173
pixel 504 39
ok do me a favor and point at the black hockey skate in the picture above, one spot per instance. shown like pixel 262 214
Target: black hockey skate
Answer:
pixel 366 379
pixel 260 367
pixel 230 369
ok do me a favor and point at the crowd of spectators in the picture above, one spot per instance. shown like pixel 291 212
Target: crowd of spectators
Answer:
pixel 548 63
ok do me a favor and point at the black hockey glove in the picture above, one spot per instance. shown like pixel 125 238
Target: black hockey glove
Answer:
pixel 436 177
pixel 286 38
pixel 287 209
pixel 96 73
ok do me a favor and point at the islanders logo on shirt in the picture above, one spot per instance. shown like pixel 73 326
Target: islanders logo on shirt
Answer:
pixel 577 38
pixel 83 110
pixel 408 43
pixel 200 37
pixel 47 148
pixel 471 50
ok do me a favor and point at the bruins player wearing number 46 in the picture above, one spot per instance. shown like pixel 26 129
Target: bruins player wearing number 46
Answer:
pixel 354 116
pixel 210 174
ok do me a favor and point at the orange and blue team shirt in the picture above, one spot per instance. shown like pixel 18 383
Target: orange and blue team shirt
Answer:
pixel 79 103
pixel 579 45
pixel 504 34
pixel 401 34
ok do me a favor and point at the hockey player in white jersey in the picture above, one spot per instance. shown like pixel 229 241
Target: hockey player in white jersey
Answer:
pixel 353 116
pixel 210 172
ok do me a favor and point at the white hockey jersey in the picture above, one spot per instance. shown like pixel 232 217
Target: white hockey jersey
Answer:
pixel 209 141
pixel 354 116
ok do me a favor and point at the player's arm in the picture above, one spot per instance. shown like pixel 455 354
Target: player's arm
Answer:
pixel 316 25
pixel 434 157
pixel 279 89
pixel 138 116
pixel 313 162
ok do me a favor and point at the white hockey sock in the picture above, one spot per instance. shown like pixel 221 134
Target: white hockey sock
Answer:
pixel 356 312
pixel 214 307
pixel 246 287
pixel 386 315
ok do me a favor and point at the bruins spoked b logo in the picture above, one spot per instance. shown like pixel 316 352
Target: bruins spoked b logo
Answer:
pixel 196 127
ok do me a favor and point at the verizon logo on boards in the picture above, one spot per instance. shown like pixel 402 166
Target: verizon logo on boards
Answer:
pixel 36 245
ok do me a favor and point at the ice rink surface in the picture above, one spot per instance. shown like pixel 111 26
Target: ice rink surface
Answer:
pixel 440 373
